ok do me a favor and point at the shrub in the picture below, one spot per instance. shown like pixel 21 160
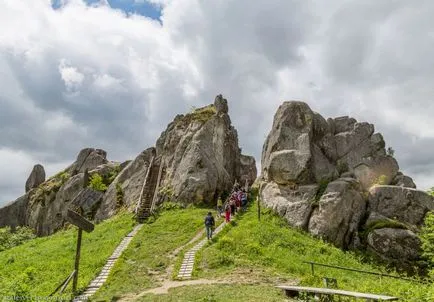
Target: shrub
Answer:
pixel 119 195
pixel 9 239
pixel 96 182
pixel 427 238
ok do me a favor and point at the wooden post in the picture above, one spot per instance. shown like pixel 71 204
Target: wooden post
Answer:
pixel 77 261
pixel 259 208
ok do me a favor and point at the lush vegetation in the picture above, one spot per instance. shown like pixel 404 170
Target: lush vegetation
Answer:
pixel 11 238
pixel 96 182
pixel 38 266
pixel 46 192
pixel 427 237
pixel 147 258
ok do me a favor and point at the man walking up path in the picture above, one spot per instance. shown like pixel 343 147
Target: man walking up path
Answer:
pixel 209 225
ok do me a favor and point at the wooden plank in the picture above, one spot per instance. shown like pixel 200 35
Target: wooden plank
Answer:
pixel 331 291
pixel 79 221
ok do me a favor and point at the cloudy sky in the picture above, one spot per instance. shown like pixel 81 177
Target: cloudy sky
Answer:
pixel 112 74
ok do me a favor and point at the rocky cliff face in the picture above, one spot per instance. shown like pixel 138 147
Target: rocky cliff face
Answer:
pixel 199 158
pixel 44 206
pixel 201 154
pixel 334 179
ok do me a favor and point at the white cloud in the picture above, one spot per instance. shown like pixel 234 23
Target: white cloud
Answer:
pixel 90 76
pixel 70 76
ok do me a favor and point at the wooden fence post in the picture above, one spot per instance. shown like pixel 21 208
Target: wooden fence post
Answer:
pixel 77 261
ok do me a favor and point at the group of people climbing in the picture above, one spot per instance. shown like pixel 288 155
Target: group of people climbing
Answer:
pixel 236 202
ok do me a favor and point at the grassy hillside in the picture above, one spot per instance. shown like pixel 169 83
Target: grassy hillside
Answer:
pixel 145 261
pixel 268 252
pixel 38 266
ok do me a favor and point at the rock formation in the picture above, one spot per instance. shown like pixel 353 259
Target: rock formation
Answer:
pixel 334 179
pixel 36 177
pixel 196 159
pixel 44 206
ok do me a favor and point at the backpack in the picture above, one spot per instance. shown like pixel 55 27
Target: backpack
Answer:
pixel 209 220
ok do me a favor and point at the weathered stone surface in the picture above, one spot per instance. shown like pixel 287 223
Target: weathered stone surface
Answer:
pixel 403 204
pixel 130 181
pixel 350 140
pixel 381 170
pixel 14 213
pixel 398 245
pixel 89 159
pixel 46 214
pixel 339 213
pixel 343 124
pixel 322 168
pixel 304 149
pixel 221 104
pixel 201 154
pixel 291 130
pixel 37 176
pixel 289 166
pixel 248 171
pixel 403 181
pixel 294 204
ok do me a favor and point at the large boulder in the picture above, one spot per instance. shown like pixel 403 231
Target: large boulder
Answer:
pixel 339 212
pixel 289 166
pixel 402 180
pixel 330 177
pixel 396 245
pixel 294 203
pixel 13 214
pixel 37 176
pixel 380 170
pixel 403 204
pixel 88 159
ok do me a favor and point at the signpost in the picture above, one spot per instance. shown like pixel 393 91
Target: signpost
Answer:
pixel 82 224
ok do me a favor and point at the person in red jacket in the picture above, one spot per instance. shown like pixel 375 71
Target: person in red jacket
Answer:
pixel 228 212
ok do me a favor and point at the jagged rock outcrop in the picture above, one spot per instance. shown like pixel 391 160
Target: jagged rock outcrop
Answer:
pixel 126 187
pixel 335 179
pixel 196 159
pixel 248 171
pixel 88 159
pixel 44 206
pixel 37 176
pixel 201 154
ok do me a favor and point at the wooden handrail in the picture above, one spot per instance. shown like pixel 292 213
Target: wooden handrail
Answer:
pixel 362 271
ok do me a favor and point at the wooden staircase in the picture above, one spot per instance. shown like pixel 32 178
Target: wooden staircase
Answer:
pixel 149 193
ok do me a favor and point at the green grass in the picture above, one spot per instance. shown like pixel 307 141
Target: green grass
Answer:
pixel 38 266
pixel 219 292
pixel 148 253
pixel 270 252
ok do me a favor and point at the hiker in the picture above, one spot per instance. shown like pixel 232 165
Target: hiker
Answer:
pixel 232 204
pixel 238 200
pixel 244 200
pixel 209 225
pixel 220 206
pixel 228 212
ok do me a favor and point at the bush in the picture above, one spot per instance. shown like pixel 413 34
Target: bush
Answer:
pixel 9 239
pixel 119 195
pixel 96 182
pixel 427 238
